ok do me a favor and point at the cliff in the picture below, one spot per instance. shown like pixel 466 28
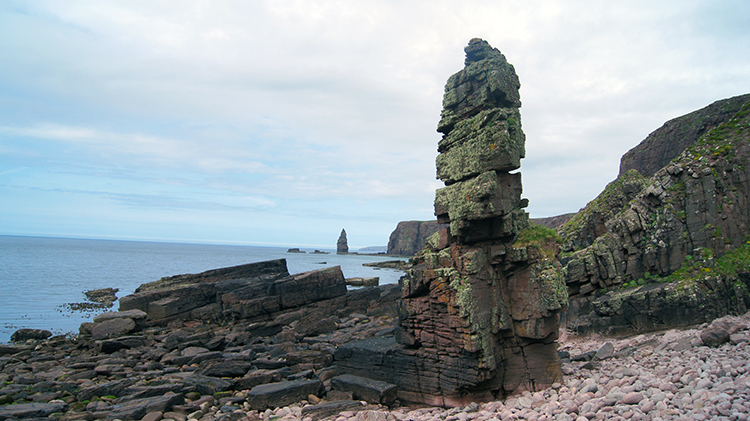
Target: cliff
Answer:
pixel 640 230
pixel 671 139
pixel 409 237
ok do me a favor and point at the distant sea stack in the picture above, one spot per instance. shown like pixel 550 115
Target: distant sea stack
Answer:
pixel 342 247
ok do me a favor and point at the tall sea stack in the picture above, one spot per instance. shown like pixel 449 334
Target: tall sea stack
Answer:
pixel 342 247
pixel 480 310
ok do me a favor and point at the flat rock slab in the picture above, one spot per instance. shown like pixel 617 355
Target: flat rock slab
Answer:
pixel 327 409
pixel 112 327
pixel 134 314
pixel 372 391
pixel 30 410
pixel 280 394
pixel 138 408
pixel 206 385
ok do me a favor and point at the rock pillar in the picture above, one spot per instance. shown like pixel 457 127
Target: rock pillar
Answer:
pixel 342 247
pixel 480 309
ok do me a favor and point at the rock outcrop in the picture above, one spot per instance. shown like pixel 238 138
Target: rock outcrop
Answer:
pixel 671 139
pixel 410 237
pixel 480 310
pixel 252 291
pixel 342 247
pixel 640 230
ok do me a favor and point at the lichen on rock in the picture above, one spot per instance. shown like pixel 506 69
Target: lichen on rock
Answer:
pixel 473 300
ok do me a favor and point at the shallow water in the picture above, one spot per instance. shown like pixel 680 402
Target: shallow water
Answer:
pixel 39 275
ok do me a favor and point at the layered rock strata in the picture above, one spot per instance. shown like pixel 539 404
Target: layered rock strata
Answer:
pixel 640 230
pixel 479 312
pixel 410 237
pixel 668 141
pixel 342 247
pixel 252 291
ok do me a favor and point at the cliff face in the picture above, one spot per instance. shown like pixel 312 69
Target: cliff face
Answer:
pixel 671 139
pixel 410 237
pixel 700 200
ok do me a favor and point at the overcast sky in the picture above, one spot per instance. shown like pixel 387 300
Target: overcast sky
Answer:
pixel 282 122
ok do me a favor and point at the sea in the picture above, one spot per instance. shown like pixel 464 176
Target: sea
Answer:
pixel 40 277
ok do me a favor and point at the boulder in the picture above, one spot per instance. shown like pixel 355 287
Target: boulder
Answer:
pixel 714 336
pixel 329 409
pixel 112 328
pixel 30 410
pixel 137 408
pixel 362 388
pixel 22 335
pixel 280 394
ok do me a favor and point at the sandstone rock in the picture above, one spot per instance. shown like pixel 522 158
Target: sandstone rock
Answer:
pixel 22 335
pixel 138 408
pixel 365 389
pixel 124 342
pixel 136 315
pixel 363 282
pixel 30 410
pixel 671 139
pixel 480 307
pixel 103 296
pixel 714 336
pixel 206 385
pixel 690 212
pixel 328 409
pixel 410 237
pixel 112 328
pixel 341 245
pixel 282 393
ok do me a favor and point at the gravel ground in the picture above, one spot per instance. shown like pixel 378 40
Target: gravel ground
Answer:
pixel 669 375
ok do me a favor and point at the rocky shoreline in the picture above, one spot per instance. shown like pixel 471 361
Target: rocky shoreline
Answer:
pixel 201 371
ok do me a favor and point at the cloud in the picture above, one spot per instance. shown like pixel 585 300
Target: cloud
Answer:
pixel 328 109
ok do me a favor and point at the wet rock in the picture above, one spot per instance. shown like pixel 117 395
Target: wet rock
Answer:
pixel 22 335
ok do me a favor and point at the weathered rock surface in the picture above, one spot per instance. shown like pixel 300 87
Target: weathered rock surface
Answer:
pixel 22 335
pixel 694 210
pixel 410 237
pixel 342 247
pixel 238 294
pixel 479 313
pixel 671 139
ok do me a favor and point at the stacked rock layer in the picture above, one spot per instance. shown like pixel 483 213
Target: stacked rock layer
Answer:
pixel 480 312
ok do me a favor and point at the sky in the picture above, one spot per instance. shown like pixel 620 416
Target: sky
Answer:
pixel 281 122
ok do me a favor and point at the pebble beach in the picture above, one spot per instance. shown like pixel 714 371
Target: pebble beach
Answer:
pixel 668 375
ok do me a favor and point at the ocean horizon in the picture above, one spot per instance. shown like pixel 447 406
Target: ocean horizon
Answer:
pixel 39 276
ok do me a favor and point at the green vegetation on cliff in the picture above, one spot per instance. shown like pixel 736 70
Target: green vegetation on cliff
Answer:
pixel 581 229
pixel 545 240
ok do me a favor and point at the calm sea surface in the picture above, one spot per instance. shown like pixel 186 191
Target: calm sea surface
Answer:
pixel 39 275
